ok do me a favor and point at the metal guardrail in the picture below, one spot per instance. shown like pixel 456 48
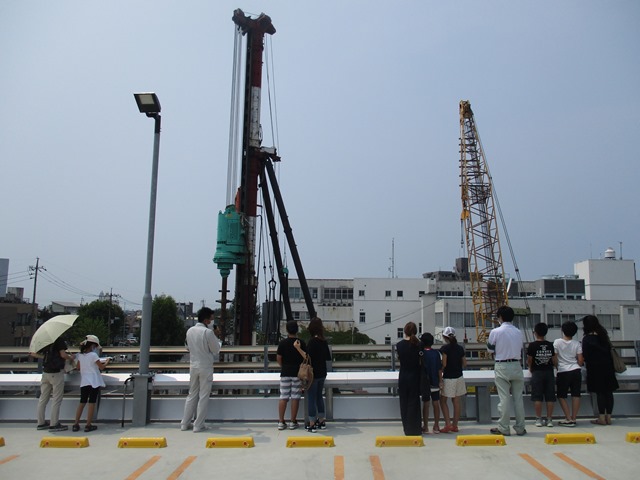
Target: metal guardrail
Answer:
pixel 261 358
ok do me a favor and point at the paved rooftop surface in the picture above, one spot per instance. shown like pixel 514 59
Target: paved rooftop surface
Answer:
pixel 354 456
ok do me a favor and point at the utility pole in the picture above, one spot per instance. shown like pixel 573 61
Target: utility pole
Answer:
pixel 34 313
pixel 111 295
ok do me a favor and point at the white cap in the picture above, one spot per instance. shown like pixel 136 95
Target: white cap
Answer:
pixel 449 332
pixel 93 338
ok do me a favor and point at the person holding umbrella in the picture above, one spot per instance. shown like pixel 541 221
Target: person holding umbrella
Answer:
pixel 47 343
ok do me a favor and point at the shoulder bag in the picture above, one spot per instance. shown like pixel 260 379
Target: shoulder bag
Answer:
pixel 618 363
pixel 305 372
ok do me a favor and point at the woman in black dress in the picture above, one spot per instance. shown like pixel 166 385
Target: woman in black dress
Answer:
pixel 408 351
pixel 601 376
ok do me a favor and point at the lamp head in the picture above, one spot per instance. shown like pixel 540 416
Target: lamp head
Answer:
pixel 148 103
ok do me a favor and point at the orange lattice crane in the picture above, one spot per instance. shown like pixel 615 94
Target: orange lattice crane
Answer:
pixel 486 270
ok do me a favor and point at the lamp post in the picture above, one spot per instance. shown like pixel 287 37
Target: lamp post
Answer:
pixel 148 104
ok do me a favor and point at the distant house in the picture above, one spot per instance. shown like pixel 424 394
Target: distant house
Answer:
pixel 66 308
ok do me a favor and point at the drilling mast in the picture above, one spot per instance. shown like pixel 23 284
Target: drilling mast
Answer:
pixel 486 270
pixel 236 243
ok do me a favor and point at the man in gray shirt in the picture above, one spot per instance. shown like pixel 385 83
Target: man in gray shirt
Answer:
pixel 506 342
pixel 204 349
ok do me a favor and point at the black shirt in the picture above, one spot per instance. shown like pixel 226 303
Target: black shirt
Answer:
pixel 455 354
pixel 320 354
pixel 291 358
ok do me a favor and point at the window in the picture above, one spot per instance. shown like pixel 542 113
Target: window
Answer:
pixel 631 311
pixel 439 319
pixel 555 320
pixel 400 294
pixel 420 293
pixel 361 293
pixel 338 294
pixel 610 322
pixel 400 332
pixel 387 340
pixel 461 319
pixel 363 317
pixel 387 293
pixel 387 317
pixel 295 293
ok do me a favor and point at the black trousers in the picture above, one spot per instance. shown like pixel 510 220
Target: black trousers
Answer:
pixel 410 406
pixel 605 402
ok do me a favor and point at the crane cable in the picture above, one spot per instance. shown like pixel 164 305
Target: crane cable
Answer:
pixel 508 239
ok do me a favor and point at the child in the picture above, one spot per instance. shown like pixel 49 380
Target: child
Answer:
pixel 290 353
pixel 433 364
pixel 91 380
pixel 570 359
pixel 541 359
pixel 453 386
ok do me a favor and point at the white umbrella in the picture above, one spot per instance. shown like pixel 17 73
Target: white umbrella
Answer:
pixel 50 330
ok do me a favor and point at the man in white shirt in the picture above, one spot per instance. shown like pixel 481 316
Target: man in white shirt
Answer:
pixel 204 349
pixel 506 342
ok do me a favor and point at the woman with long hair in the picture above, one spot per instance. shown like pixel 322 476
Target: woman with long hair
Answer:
pixel 318 350
pixel 601 376
pixel 408 350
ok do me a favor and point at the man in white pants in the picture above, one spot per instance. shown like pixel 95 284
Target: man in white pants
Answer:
pixel 506 342
pixel 204 349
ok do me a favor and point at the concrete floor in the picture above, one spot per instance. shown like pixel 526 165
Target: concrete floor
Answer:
pixel 354 456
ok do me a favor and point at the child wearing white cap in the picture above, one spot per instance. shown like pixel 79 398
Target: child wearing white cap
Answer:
pixel 91 380
pixel 453 362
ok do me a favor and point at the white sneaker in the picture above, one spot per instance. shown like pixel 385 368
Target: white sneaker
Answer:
pixel 539 422
pixel 549 423
pixel 293 425
pixel 201 429
pixel 282 425
pixel 184 428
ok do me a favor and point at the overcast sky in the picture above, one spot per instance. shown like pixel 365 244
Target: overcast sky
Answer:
pixel 366 100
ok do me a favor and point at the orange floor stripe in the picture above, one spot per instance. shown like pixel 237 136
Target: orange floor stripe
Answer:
pixel 178 471
pixel 538 466
pixel 575 464
pixel 338 467
pixel 8 459
pixel 143 468
pixel 376 466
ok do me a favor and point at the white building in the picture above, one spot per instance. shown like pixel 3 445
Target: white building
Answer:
pixel 380 307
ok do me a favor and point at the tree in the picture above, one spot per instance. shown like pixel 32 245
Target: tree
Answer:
pixel 99 315
pixel 166 328
pixel 84 326
pixel 348 337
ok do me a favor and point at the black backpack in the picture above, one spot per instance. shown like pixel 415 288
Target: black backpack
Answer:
pixel 52 361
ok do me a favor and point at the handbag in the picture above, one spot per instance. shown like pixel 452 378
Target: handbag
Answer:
pixel 305 372
pixel 618 363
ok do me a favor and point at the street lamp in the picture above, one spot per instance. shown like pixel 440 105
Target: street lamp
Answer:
pixel 148 104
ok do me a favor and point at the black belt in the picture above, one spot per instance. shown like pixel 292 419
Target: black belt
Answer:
pixel 510 360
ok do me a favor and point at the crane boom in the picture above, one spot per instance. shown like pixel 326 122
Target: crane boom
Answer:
pixel 486 270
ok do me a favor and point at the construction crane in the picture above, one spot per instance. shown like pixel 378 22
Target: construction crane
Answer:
pixel 486 270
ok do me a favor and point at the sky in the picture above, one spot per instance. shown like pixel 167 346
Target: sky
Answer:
pixel 365 97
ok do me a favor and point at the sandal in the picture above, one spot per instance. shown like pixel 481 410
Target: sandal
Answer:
pixel 75 428
pixel 90 428
pixel 436 429
pixel 446 430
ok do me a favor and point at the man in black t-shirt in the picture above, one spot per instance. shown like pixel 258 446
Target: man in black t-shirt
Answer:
pixel 291 352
